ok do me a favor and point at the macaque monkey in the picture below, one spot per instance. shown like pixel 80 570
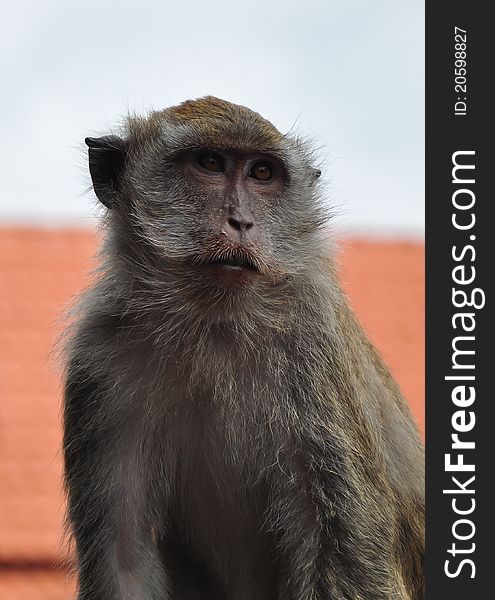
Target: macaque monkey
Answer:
pixel 229 431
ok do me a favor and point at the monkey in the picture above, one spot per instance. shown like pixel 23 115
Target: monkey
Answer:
pixel 230 433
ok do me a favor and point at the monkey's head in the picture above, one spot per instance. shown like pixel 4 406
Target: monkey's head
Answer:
pixel 210 197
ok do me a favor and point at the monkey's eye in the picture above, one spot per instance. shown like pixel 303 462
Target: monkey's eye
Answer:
pixel 261 171
pixel 211 162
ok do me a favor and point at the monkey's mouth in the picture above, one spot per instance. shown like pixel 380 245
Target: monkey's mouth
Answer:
pixel 235 262
pixel 230 261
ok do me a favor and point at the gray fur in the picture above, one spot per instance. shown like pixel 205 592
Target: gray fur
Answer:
pixel 238 444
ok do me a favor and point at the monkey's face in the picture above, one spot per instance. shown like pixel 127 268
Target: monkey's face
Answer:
pixel 225 204
pixel 214 194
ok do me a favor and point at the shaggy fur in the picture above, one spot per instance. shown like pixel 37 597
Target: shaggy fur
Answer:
pixel 228 443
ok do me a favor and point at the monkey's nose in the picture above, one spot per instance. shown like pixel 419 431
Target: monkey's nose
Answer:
pixel 240 224
pixel 239 228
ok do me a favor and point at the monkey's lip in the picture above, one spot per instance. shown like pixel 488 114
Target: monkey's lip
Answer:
pixel 236 263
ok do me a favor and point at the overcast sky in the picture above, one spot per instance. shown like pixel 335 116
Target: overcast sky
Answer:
pixel 348 72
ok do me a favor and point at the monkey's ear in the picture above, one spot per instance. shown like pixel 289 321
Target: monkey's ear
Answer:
pixel 106 164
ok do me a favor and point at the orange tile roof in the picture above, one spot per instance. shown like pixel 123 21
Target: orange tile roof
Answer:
pixel 35 584
pixel 385 284
pixel 40 271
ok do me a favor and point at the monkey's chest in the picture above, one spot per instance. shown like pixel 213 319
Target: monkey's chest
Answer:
pixel 221 498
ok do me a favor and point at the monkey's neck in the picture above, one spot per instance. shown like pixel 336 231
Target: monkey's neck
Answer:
pixel 175 306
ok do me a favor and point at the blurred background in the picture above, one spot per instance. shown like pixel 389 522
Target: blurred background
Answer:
pixel 348 74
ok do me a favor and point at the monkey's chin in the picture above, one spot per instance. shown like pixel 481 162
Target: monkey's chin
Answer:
pixel 232 276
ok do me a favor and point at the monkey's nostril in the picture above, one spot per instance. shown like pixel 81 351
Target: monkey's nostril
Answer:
pixel 234 223
pixel 239 224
